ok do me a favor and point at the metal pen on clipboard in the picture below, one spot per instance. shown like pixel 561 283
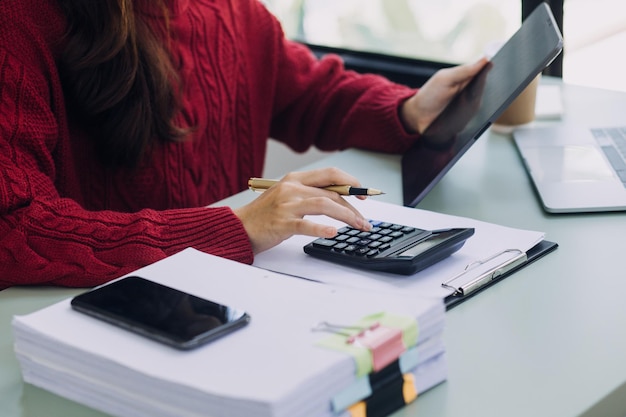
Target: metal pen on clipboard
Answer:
pixel 488 276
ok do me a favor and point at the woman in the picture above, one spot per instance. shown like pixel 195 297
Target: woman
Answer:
pixel 122 120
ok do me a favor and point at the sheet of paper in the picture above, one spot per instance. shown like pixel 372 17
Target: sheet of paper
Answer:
pixel 488 241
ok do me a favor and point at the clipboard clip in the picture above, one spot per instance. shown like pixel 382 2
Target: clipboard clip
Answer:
pixel 385 343
pixel 485 277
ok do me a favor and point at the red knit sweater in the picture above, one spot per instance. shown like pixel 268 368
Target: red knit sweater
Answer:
pixel 67 220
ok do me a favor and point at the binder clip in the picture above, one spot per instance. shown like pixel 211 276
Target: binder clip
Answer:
pixel 384 343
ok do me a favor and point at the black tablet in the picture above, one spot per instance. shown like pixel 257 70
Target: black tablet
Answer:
pixel 532 48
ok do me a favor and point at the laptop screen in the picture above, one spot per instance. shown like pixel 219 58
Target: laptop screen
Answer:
pixel 473 110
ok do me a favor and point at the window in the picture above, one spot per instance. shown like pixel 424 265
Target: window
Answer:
pixel 594 47
pixel 451 31
pixel 455 31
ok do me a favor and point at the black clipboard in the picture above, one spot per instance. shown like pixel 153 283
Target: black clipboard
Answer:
pixel 500 272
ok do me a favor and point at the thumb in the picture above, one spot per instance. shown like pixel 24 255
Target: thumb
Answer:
pixel 468 71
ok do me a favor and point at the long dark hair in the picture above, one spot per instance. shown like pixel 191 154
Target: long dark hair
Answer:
pixel 118 78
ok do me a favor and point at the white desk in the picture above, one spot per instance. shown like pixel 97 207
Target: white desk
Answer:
pixel 548 341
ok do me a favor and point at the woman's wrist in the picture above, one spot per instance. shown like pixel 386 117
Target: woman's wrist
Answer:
pixel 409 116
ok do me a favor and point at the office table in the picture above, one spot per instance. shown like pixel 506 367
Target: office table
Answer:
pixel 549 340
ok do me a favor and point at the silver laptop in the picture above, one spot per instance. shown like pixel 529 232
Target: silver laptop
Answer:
pixel 575 168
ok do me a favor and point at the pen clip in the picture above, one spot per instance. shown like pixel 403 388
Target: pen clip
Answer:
pixel 485 277
pixel 351 332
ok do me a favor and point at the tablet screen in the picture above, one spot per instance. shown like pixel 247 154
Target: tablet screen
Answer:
pixel 532 48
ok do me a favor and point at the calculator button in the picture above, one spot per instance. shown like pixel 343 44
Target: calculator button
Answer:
pixel 362 251
pixel 324 243
pixel 384 246
pixel 351 241
pixel 350 248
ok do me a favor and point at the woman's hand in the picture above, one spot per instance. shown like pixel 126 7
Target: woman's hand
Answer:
pixel 279 212
pixel 419 111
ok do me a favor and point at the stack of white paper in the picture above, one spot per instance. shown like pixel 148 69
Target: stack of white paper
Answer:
pixel 272 367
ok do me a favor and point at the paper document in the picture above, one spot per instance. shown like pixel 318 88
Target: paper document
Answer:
pixel 491 245
pixel 271 368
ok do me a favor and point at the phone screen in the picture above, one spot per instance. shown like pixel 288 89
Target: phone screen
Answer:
pixel 159 312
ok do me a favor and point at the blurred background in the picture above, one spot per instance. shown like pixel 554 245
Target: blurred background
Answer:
pixel 456 31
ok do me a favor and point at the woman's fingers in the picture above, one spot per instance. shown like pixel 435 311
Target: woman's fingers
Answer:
pixel 320 178
pixel 280 211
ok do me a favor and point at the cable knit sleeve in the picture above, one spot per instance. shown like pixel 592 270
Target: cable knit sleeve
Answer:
pixel 319 102
pixel 47 239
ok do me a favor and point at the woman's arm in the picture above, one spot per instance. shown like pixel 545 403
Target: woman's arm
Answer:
pixel 47 239
pixel 319 102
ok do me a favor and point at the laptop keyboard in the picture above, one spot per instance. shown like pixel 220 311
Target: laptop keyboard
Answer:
pixel 613 143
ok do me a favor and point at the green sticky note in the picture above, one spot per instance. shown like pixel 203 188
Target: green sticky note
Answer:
pixel 361 355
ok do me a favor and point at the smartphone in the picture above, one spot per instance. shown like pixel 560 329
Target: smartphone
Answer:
pixel 159 312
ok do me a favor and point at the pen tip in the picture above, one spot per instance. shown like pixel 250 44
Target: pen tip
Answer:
pixel 373 191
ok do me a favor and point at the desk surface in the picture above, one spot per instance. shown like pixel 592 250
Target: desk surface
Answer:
pixel 547 341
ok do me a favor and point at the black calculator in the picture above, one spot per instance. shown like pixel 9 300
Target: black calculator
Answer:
pixel 389 247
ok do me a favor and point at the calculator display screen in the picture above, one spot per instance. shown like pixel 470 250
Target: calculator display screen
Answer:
pixel 424 245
